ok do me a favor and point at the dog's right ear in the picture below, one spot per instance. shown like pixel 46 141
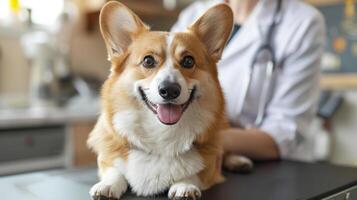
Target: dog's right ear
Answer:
pixel 118 25
pixel 214 28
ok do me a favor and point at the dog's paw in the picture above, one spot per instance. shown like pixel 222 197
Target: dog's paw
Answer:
pixel 184 191
pixel 104 191
pixel 238 163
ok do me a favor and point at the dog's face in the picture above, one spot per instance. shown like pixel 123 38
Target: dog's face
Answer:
pixel 164 73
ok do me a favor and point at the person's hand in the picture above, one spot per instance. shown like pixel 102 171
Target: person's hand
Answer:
pixel 237 163
pixel 251 143
pixel 233 162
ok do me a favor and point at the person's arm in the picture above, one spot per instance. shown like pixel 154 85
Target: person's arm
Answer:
pixel 252 143
pixel 293 103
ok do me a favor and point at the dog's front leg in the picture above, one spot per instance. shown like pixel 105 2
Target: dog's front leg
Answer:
pixel 185 189
pixel 112 185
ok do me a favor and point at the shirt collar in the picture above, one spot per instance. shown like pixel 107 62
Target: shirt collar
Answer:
pixel 255 28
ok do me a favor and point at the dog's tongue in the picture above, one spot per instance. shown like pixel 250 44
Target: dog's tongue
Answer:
pixel 169 113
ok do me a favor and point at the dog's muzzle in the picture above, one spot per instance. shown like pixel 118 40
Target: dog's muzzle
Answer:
pixel 168 113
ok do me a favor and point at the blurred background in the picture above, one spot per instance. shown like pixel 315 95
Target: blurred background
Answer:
pixel 53 62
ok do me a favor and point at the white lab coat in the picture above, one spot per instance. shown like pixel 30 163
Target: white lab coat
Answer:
pixel 298 44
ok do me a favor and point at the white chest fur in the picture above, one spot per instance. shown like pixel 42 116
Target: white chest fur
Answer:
pixel 149 174
pixel 144 130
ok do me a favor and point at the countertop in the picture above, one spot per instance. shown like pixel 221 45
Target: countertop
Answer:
pixel 283 180
pixel 23 117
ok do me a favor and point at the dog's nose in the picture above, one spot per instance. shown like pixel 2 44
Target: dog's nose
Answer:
pixel 169 90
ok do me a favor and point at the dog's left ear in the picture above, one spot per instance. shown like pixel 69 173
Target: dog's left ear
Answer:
pixel 214 29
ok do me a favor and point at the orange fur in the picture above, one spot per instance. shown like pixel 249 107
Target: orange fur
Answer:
pixel 126 55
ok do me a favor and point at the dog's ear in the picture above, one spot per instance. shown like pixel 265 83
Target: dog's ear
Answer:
pixel 118 25
pixel 214 29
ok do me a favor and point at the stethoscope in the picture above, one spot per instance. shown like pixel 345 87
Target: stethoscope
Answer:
pixel 266 50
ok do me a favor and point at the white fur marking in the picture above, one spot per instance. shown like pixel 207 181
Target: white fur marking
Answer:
pixel 112 184
pixel 169 40
pixel 150 174
pixel 120 165
pixel 186 188
pixel 168 73
pixel 144 130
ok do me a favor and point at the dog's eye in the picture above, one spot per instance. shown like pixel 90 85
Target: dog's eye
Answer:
pixel 187 62
pixel 148 62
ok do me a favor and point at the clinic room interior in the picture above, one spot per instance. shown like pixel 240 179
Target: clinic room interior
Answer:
pixel 279 121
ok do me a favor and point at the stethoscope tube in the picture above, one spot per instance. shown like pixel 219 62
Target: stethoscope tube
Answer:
pixel 268 49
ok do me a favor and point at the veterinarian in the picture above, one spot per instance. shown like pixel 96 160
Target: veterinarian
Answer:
pixel 269 73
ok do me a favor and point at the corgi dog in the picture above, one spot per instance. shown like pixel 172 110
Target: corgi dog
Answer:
pixel 162 106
